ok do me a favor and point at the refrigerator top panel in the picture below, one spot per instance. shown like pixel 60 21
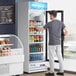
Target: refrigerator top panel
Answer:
pixel 38 5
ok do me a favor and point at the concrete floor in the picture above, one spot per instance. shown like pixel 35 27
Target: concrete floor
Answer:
pixel 43 74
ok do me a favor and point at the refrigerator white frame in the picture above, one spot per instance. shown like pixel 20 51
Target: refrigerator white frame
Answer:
pixel 23 23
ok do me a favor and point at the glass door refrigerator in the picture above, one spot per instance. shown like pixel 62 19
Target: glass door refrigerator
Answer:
pixel 29 14
pixel 68 44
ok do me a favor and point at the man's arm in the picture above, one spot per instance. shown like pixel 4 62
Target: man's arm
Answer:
pixel 65 31
pixel 39 28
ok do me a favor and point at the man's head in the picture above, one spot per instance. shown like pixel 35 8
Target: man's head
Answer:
pixel 53 14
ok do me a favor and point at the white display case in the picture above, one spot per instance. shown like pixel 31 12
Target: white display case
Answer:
pixel 11 55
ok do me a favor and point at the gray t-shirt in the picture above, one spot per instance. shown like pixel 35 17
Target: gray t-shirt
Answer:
pixel 55 28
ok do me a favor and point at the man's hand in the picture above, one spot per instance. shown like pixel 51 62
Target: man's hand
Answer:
pixel 65 31
pixel 39 28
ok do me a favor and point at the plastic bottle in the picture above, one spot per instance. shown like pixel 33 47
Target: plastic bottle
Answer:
pixel 38 38
pixel 37 48
pixel 41 48
pixel 30 57
pixel 32 37
pixel 31 23
pixel 32 48
pixel 32 30
pixel 36 57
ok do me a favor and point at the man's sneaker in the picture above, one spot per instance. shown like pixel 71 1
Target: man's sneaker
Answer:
pixel 60 73
pixel 49 74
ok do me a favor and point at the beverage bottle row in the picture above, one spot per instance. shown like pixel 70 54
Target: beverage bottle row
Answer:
pixel 36 57
pixel 36 48
pixel 34 31
pixel 36 38
pixel 34 22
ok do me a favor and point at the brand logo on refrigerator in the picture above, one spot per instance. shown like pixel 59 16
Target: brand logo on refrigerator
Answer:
pixel 38 5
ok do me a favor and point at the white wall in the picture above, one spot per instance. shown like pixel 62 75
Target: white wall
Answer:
pixel 69 7
pixel 69 11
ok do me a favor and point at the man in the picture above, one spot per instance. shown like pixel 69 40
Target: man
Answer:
pixel 55 28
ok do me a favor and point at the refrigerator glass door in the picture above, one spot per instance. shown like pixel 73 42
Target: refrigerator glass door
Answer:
pixel 37 38
pixel 59 17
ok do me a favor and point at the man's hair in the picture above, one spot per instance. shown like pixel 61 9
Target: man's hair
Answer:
pixel 53 12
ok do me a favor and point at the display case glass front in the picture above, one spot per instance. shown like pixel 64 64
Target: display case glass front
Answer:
pixel 10 45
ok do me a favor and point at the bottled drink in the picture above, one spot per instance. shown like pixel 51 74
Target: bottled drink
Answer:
pixel 35 31
pixel 41 48
pixel 35 23
pixel 39 23
pixel 31 23
pixel 38 38
pixel 30 49
pixel 36 48
pixel 31 58
pixel 32 38
pixel 32 30
pixel 41 38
